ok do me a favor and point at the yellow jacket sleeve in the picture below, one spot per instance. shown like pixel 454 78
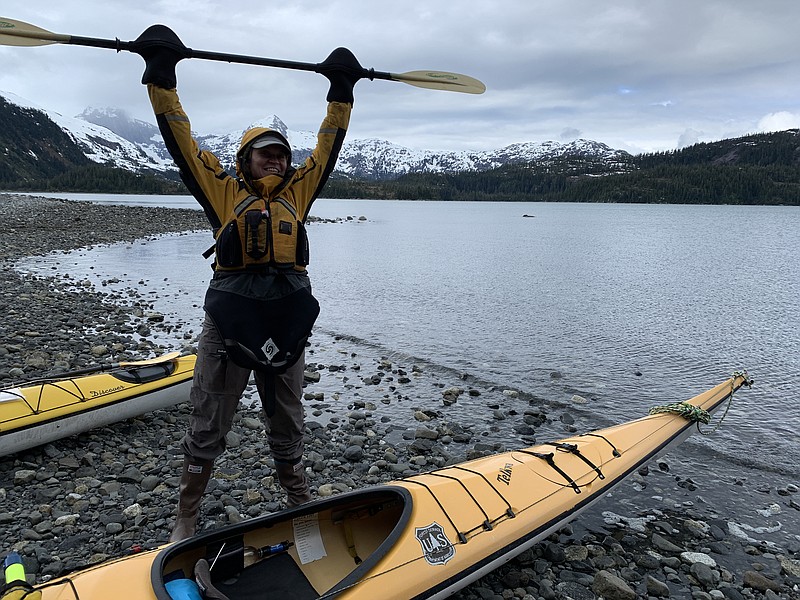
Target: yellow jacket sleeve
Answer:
pixel 313 174
pixel 201 171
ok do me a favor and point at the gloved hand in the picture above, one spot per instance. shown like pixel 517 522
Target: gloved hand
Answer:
pixel 343 71
pixel 161 49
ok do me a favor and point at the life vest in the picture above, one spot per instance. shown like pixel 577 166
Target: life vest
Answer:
pixel 264 335
pixel 262 234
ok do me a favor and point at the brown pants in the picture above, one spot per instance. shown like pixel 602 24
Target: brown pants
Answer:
pixel 217 387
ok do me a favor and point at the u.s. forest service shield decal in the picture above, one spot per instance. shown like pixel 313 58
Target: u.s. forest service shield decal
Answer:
pixel 435 545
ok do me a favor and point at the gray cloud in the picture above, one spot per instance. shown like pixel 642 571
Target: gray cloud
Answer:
pixel 569 134
pixel 636 75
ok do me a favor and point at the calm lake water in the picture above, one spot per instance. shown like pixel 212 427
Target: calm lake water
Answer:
pixel 634 305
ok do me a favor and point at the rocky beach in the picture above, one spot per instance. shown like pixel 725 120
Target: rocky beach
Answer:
pixel 111 491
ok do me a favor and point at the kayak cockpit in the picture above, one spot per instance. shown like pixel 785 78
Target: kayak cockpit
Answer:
pixel 301 553
pixel 146 373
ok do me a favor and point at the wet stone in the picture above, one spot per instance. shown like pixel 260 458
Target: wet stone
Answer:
pixel 554 553
pixel 648 562
pixel 353 453
pixel 663 544
pixel 611 586
pixel 657 588
pixel 759 582
pixel 704 574
pixel 575 590
pixel 426 434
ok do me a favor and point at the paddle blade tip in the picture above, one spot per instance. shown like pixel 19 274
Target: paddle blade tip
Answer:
pixel 19 33
pixel 441 80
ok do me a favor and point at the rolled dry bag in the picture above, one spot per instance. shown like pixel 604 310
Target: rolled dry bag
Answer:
pixel 264 335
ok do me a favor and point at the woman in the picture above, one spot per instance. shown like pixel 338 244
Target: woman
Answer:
pixel 259 307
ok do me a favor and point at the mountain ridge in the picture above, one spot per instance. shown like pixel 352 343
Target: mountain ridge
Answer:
pixel 369 158
pixel 45 151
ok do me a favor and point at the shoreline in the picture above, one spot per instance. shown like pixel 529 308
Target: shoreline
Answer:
pixel 82 500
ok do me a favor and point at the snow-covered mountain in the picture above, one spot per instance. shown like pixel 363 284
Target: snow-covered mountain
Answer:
pixel 109 135
pixel 101 144
pixel 125 126
pixel 379 159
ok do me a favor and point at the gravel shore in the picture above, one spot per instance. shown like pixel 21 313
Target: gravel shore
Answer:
pixel 86 499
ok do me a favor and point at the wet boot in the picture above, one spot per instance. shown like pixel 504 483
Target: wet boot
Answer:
pixel 194 480
pixel 292 477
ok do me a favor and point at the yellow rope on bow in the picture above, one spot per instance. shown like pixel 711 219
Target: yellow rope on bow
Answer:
pixel 698 415
pixel 684 409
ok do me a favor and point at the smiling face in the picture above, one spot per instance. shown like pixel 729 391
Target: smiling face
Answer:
pixel 269 160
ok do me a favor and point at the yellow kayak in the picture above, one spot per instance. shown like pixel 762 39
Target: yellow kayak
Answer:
pixel 45 410
pixel 425 536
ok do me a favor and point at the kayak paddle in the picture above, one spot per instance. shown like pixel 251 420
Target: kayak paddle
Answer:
pixel 18 33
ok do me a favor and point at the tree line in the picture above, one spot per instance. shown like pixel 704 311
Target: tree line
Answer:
pixel 757 169
pixel 700 184
pixel 98 178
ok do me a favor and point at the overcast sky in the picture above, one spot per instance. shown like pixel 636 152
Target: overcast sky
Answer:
pixel 638 75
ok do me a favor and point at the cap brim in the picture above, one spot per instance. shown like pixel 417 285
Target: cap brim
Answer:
pixel 270 141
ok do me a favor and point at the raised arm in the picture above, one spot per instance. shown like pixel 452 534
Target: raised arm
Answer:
pixel 201 171
pixel 343 71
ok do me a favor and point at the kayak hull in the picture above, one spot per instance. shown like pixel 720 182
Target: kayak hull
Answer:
pixel 425 536
pixel 43 412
